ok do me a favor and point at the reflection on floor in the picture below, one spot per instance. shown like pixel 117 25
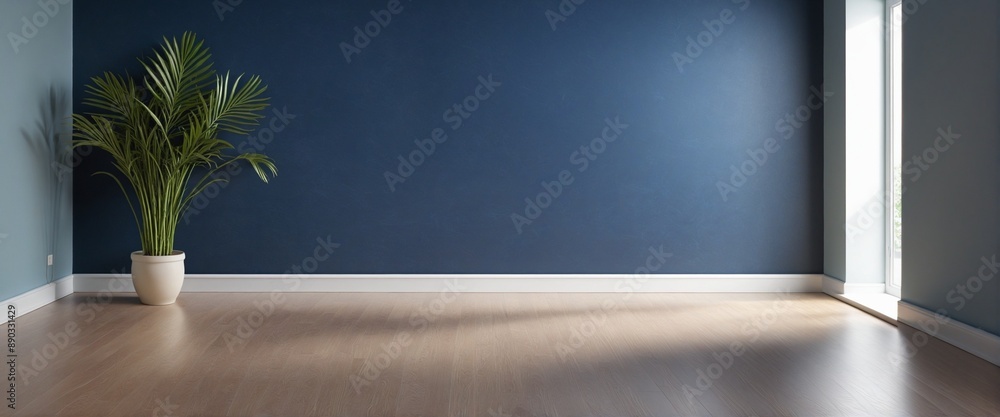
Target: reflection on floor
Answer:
pixel 456 354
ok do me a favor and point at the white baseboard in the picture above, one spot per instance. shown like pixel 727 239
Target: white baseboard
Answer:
pixel 833 286
pixel 970 339
pixel 471 283
pixel 870 298
pixel 39 297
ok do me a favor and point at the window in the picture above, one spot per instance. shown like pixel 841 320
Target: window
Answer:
pixel 894 146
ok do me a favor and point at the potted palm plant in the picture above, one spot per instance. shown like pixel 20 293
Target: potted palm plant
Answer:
pixel 163 135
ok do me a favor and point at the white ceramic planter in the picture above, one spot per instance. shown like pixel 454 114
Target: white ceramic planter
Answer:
pixel 158 279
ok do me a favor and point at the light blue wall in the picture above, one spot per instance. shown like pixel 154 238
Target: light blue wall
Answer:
pixel 35 101
pixel 834 145
pixel 950 212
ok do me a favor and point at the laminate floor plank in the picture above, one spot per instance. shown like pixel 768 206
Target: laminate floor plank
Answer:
pixel 462 394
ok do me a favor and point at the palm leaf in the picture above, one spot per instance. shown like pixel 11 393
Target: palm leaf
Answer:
pixel 158 142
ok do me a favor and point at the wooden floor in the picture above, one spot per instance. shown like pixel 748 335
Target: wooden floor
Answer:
pixel 487 355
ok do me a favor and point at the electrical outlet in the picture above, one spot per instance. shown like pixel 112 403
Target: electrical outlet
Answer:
pixel 49 260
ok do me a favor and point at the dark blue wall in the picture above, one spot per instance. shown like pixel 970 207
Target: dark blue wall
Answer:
pixel 655 185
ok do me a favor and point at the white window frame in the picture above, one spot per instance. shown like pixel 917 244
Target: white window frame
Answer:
pixel 891 286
